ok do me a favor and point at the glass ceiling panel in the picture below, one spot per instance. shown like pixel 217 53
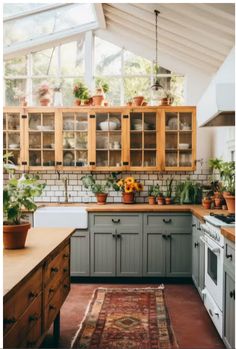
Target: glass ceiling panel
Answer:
pixel 16 9
pixel 52 21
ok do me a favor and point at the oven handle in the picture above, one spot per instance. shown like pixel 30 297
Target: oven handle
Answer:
pixel 215 249
pixel 202 238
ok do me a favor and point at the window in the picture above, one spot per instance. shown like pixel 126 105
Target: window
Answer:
pixel 126 73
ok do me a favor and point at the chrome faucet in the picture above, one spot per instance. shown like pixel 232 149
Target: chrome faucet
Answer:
pixel 65 182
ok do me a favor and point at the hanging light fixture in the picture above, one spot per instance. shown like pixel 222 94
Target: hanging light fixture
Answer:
pixel 156 85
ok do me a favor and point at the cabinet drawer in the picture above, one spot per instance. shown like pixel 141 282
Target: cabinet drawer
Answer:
pixel 56 282
pixel 26 294
pixel 229 257
pixel 115 220
pixel 30 318
pixel 56 265
pixel 166 222
pixel 53 307
pixel 31 339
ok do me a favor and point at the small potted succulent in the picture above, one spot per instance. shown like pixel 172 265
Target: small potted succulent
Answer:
pixel 166 97
pixel 81 93
pixel 169 191
pixel 207 201
pixel 153 192
pixel 44 94
pixel 99 189
pixel 18 194
pixel 128 186
pixel 160 199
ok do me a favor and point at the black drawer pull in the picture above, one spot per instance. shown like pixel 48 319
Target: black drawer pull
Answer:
pixel 32 295
pixel 92 163
pixel 66 255
pixel 33 317
pixel 52 307
pixel 167 220
pixel 194 225
pixel 199 229
pixel 232 294
pixel 164 236
pixel 66 286
pixel 168 236
pixel 196 244
pixel 65 270
pixel 118 235
pixel 116 221
pixel 125 163
pixel 58 163
pixel 229 256
pixel 9 321
pixel 54 270
pixel 51 290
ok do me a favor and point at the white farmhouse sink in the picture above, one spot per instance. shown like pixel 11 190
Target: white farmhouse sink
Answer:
pixel 61 217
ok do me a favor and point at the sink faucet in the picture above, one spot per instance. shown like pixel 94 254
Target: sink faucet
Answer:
pixel 65 182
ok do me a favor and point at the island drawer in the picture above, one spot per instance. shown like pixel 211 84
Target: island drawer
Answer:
pixel 53 284
pixel 30 318
pixel 57 264
pixel 25 295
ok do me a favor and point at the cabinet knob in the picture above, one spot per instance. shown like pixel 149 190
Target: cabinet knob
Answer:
pixel 168 236
pixel 229 256
pixel 194 225
pixel 66 286
pixel 167 220
pixel 116 221
pixel 54 270
pixel 196 244
pixel 65 270
pixel 51 290
pixel 32 295
pixel 52 307
pixel 66 255
pixel 118 235
pixel 232 294
pixel 164 236
pixel 33 317
pixel 9 321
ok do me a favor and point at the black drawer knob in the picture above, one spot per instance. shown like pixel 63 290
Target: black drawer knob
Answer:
pixel 54 270
pixel 33 317
pixel 229 256
pixel 52 307
pixel 164 236
pixel 51 290
pixel 32 295
pixel 194 225
pixel 232 294
pixel 9 321
pixel 167 220
pixel 66 255
pixel 115 221
pixel 196 244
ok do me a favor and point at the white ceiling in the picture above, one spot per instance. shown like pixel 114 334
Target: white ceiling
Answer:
pixel 189 35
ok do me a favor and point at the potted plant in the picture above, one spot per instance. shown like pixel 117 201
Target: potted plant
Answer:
pixel 169 191
pixel 215 166
pixel 227 173
pixel 128 186
pixel 20 96
pixel 102 87
pixel 166 97
pixel 44 94
pixel 160 199
pixel 100 190
pixel 138 100
pixel 153 191
pixel 18 194
pixel 206 201
pixel 81 93
pixel 188 193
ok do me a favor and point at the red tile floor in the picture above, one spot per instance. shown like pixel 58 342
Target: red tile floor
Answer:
pixel 192 326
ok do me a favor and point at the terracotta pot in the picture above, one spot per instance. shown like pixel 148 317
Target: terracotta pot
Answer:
pixel 87 102
pixel 97 100
pixel 77 102
pixel 168 201
pixel 164 101
pixel 14 236
pixel 44 102
pixel 217 202
pixel 138 100
pixel 101 198
pixel 128 198
pixel 230 202
pixel 151 200
pixel 129 104
pixel 206 203
pixel 225 193
pixel 144 104
pixel 161 200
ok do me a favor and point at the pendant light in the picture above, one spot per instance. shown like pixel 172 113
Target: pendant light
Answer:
pixel 156 85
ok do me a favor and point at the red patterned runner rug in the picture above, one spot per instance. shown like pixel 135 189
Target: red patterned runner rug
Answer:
pixel 126 318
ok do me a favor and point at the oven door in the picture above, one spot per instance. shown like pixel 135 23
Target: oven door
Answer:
pixel 214 270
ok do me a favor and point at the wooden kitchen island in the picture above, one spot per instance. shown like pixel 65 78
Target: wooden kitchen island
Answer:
pixel 35 285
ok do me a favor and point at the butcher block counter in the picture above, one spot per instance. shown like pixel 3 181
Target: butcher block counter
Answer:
pixel 229 233
pixel 36 283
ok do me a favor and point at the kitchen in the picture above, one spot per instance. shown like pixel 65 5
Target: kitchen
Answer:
pixel 119 152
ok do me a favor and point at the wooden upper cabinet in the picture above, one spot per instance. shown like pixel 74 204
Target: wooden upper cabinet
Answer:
pixel 179 130
pixel 103 139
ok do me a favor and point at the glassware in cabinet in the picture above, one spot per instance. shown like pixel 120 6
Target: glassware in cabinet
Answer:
pixel 12 136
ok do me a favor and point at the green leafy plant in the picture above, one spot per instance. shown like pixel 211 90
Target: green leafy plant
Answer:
pixel 169 183
pixel 100 83
pixel 188 192
pixel 81 91
pixel 227 174
pixel 154 190
pixel 90 183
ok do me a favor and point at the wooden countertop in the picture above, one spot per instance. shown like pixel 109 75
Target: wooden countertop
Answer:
pixel 40 242
pixel 229 233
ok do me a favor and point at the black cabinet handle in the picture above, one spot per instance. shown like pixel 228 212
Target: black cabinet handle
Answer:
pixel 168 236
pixel 232 294
pixel 199 229
pixel 116 221
pixel 51 290
pixel 196 244
pixel 92 163
pixel 118 235
pixel 194 225
pixel 229 256
pixel 9 321
pixel 54 270
pixel 52 307
pixel 125 163
pixel 32 295
pixel 33 317
pixel 164 236
pixel 58 163
pixel 167 220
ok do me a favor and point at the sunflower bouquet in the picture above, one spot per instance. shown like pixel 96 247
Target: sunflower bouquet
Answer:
pixel 129 185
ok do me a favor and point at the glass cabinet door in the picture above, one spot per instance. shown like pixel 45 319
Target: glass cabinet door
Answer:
pixel 178 140
pixel 143 140
pixel 12 136
pixel 41 133
pixel 75 139
pixel 108 139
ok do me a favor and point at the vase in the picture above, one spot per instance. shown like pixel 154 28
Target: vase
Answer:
pixel 128 198
pixel 160 200
pixel 14 236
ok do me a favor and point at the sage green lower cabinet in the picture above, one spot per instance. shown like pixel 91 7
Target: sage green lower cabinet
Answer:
pixel 167 246
pixel 198 256
pixel 80 253
pixel 229 296
pixel 116 244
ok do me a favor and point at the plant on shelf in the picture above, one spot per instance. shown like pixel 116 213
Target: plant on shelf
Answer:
pixel 227 174
pixel 81 93
pixel 20 96
pixel 18 194
pixel 128 186
pixel 169 183
pixel 102 87
pixel 153 192
pixel 188 192
pixel 166 97
pixel 215 166
pixel 99 189
pixel 44 94
pixel 160 199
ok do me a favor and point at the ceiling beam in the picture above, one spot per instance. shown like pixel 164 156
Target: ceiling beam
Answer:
pixel 164 48
pixel 174 14
pixel 180 28
pixel 100 15
pixel 119 17
pixel 220 12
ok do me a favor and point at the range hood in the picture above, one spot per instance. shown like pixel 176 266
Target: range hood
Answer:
pixel 224 108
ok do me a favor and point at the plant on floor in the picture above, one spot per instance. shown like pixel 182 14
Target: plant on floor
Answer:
pixel 153 192
pixel 18 193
